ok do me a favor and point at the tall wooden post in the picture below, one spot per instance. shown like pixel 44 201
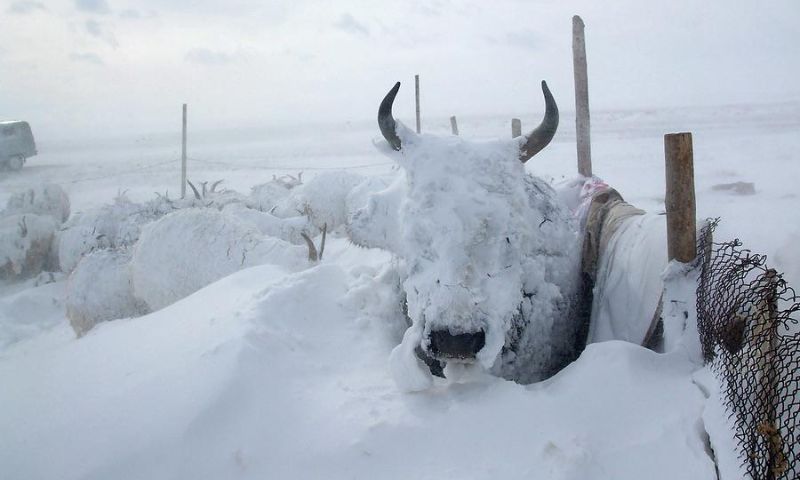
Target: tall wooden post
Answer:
pixel 582 126
pixel 416 88
pixel 454 125
pixel 183 155
pixel 516 128
pixel 680 199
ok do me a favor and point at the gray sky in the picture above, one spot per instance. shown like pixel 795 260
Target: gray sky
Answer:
pixel 110 67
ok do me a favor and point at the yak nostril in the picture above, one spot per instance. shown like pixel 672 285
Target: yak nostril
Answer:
pixel 462 345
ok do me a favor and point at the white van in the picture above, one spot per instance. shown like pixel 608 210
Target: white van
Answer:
pixel 16 144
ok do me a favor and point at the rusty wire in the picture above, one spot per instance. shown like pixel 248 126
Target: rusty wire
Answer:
pixel 747 318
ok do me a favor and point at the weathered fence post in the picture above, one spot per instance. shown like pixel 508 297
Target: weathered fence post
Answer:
pixel 516 127
pixel 454 125
pixel 183 155
pixel 765 339
pixel 680 200
pixel 416 88
pixel 581 98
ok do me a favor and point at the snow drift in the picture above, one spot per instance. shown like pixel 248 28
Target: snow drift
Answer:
pixel 248 379
pixel 262 382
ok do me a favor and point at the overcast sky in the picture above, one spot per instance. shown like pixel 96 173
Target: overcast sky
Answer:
pixel 108 67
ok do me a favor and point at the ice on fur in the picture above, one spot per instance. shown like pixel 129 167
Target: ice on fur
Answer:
pixel 485 247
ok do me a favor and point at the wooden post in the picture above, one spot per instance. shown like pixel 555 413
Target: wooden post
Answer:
pixel 454 125
pixel 765 344
pixel 416 88
pixel 680 200
pixel 581 98
pixel 183 155
pixel 516 128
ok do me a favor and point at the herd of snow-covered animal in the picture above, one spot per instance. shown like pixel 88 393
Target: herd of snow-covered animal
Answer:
pixel 126 259
pixel 489 258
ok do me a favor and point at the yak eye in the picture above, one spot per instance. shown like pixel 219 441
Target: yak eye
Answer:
pixel 508 241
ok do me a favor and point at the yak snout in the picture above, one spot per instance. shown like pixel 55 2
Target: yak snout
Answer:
pixel 444 344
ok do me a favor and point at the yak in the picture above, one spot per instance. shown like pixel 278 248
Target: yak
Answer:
pixel 489 255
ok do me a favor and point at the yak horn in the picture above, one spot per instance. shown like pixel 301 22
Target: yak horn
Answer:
pixel 541 136
pixel 313 254
pixel 386 121
pixel 312 249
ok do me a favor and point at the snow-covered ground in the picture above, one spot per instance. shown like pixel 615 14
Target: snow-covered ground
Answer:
pixel 275 373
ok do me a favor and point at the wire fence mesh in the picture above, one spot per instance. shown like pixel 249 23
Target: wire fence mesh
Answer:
pixel 747 318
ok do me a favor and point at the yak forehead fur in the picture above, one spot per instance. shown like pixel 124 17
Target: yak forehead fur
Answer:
pixel 484 244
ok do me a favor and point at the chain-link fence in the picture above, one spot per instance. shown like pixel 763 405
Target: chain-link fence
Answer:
pixel 747 318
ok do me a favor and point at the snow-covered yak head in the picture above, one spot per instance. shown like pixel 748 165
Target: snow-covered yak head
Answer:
pixel 483 244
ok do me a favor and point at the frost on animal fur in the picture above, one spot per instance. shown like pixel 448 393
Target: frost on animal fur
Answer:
pixel 191 248
pixel 100 289
pixel 149 255
pixel 48 200
pixel 27 230
pixel 25 243
pixel 490 254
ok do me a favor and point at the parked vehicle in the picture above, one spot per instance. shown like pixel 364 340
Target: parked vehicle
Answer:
pixel 16 144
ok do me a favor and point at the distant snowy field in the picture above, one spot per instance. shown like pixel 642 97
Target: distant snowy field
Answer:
pixel 747 143
pixel 273 374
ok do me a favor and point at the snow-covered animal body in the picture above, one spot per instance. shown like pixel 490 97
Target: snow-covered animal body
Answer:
pixel 491 257
pixel 188 249
pixel 25 244
pixel 128 258
pixel 28 226
pixel 100 289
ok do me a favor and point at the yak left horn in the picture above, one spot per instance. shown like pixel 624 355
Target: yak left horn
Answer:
pixel 386 120
pixel 541 136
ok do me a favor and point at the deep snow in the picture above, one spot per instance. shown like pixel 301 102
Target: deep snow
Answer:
pixel 273 374
pixel 248 378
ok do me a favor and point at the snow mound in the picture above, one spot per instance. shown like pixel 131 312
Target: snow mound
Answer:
pixel 25 243
pixel 100 289
pixel 210 386
pixel 48 200
pixel 31 311
pixel 191 248
pixel 409 372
